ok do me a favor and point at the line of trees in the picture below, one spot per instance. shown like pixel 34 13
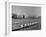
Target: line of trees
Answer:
pixel 23 17
pixel 15 16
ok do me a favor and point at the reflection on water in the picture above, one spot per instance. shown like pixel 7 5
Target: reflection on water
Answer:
pixel 26 24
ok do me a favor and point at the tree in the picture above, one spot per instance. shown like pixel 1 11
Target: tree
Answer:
pixel 14 16
pixel 23 16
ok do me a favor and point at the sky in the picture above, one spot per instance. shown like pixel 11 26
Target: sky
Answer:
pixel 26 10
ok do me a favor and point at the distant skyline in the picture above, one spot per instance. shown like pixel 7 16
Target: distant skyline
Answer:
pixel 27 11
